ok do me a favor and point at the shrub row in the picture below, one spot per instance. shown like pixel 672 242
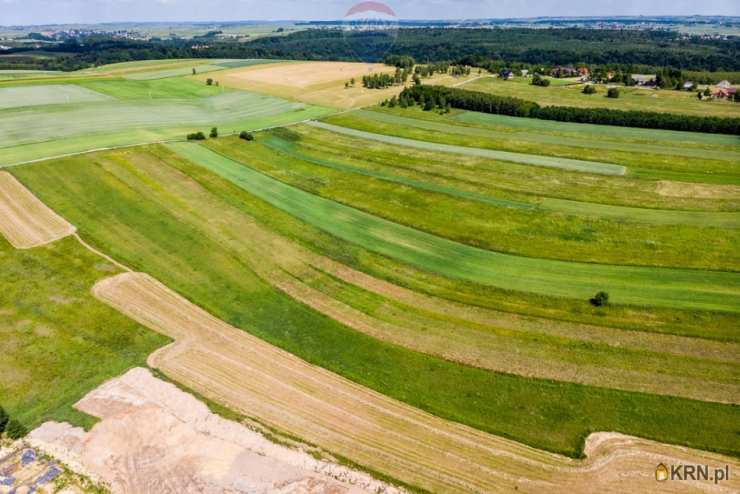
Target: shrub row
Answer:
pixel 504 105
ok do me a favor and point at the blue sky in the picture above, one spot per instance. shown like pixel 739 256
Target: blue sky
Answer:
pixel 69 11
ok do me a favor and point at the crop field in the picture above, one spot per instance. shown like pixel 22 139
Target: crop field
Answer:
pixel 529 226
pixel 318 83
pixel 13 97
pixel 134 112
pixel 410 291
pixel 630 98
pixel 388 436
pixel 164 206
pixel 26 222
pixel 717 166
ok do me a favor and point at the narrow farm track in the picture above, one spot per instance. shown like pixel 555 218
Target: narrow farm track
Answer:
pixel 26 221
pixel 627 284
pixel 526 159
pixel 251 376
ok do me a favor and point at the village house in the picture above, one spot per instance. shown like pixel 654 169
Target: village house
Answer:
pixel 688 85
pixel 724 84
pixel 722 93
pixel 506 74
pixel 563 72
pixel 647 80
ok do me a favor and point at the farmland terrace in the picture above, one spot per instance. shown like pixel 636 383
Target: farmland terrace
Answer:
pixel 384 283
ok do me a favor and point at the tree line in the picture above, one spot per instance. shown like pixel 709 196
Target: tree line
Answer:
pixel 472 47
pixel 431 96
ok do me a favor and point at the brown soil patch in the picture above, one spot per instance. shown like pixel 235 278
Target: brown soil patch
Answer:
pixel 697 191
pixel 155 438
pixel 24 220
pixel 249 375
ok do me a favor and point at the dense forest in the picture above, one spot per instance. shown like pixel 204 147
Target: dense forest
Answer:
pixel 476 47
pixel 430 97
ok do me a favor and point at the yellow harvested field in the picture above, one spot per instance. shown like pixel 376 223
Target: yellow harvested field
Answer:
pixel 261 381
pixel 318 83
pixel 26 221
pixel 310 74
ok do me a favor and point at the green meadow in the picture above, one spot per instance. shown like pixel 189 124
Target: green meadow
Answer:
pixel 57 341
pixel 716 166
pixel 644 286
pixel 163 204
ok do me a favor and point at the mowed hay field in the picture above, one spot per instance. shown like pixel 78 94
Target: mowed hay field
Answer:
pixel 318 83
pixel 289 283
pixel 135 112
pixel 630 98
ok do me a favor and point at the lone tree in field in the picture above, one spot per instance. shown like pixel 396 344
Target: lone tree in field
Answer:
pixel 600 299
pixel 613 92
pixel 214 132
pixel 247 136
pixel 194 71
pixel 209 82
pixel 3 419
pixel 15 430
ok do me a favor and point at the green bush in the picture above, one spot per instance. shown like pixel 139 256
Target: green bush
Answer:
pixel 601 298
pixel 247 136
pixel 613 92
pixel 3 419
pixel 214 133
pixel 15 430
pixel 589 89
pixel 538 80
pixel 197 136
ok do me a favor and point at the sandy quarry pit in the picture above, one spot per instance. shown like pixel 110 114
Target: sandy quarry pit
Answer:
pixel 155 438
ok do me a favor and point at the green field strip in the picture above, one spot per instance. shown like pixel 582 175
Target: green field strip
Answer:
pixel 647 135
pixel 178 72
pixel 286 147
pixel 678 288
pixel 165 208
pixel 643 215
pixel 92 141
pixel 544 138
pixel 526 159
pixel 52 94
pixel 231 111
pixel 172 88
pixel 59 342
pixel 574 208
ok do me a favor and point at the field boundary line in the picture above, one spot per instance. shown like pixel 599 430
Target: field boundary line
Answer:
pixel 87 151
pixel 101 254
pixel 568 164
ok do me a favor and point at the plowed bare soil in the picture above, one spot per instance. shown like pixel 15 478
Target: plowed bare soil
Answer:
pixel 251 376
